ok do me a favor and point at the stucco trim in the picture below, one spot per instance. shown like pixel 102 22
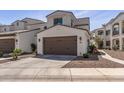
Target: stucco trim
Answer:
pixel 65 26
pixel 61 11
pixel 113 19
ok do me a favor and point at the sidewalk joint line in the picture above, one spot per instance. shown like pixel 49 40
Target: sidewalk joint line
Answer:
pixel 70 74
pixel 102 74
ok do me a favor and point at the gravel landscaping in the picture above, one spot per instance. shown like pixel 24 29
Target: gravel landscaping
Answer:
pixel 94 61
pixel 115 54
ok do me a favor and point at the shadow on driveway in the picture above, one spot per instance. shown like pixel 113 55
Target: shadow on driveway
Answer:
pixel 56 57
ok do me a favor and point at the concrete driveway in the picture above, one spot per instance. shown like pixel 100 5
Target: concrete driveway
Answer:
pixel 28 68
pixel 48 68
pixel 46 61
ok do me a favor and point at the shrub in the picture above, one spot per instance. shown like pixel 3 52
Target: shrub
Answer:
pixel 1 53
pixel 33 47
pixel 123 47
pixel 115 47
pixel 99 42
pixel 91 48
pixel 16 53
pixel 86 55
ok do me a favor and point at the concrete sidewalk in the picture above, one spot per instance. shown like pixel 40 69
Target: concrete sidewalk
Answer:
pixel 62 74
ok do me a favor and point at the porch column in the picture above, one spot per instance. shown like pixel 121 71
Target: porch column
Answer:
pixel 111 41
pixel 120 43
pixel 120 34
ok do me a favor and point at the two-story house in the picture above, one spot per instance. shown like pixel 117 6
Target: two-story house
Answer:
pixel 24 24
pixel 20 34
pixel 99 33
pixel 114 32
pixel 64 35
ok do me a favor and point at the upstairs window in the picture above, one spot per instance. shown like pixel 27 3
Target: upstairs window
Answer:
pixel 58 21
pixel 116 29
pixel 17 23
pixel 4 29
pixel 123 27
pixel 107 43
pixel 100 32
pixel 107 32
pixel 71 23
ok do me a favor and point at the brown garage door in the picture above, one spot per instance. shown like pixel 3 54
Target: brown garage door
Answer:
pixel 60 45
pixel 7 45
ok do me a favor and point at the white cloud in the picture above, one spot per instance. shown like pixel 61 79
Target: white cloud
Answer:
pixel 82 13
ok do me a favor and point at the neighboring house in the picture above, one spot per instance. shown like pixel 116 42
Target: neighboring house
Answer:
pixel 4 28
pixel 114 32
pixel 100 33
pixel 20 34
pixel 64 35
pixel 24 24
pixel 18 39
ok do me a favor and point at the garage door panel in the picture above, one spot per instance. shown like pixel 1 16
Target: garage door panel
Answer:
pixel 7 45
pixel 60 45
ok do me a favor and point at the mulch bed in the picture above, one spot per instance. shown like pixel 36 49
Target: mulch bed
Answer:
pixel 116 54
pixel 93 62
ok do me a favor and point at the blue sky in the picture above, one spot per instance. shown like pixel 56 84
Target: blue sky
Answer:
pixel 97 17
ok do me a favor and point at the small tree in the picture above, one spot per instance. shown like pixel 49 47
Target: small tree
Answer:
pixel 99 42
pixel 123 47
pixel 1 53
pixel 16 53
pixel 91 48
pixel 115 47
pixel 33 47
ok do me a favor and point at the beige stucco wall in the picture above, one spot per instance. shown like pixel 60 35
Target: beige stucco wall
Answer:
pixel 31 21
pixel 41 26
pixel 21 25
pixel 5 27
pixel 25 39
pixel 83 27
pixel 59 31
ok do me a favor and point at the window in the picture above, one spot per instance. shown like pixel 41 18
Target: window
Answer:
pixel 71 23
pixel 17 23
pixel 107 32
pixel 100 32
pixel 116 29
pixel 4 29
pixel 123 27
pixel 107 43
pixel 58 21
pixel 39 40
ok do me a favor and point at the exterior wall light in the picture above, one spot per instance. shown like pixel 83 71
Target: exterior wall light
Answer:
pixel 39 40
pixel 80 38
pixel 16 40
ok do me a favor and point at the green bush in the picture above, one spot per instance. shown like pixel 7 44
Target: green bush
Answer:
pixel 123 47
pixel 1 54
pixel 91 48
pixel 86 55
pixel 16 53
pixel 33 47
pixel 115 47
